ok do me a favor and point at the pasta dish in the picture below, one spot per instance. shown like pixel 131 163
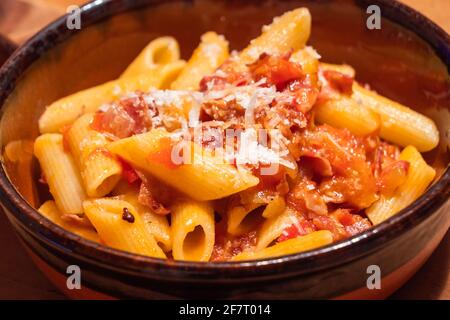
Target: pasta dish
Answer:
pixel 230 155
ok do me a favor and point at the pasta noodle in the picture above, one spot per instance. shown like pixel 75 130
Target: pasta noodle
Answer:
pixel 399 124
pixel 157 225
pixel 203 179
pixel 308 242
pixel 273 227
pixel 51 212
pixel 60 173
pixel 64 111
pixel 348 113
pixel 99 169
pixel 120 226
pixel 287 32
pixel 210 54
pixel 157 53
pixel 419 177
pixel 193 230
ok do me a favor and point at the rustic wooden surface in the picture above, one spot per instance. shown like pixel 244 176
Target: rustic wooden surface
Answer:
pixel 19 279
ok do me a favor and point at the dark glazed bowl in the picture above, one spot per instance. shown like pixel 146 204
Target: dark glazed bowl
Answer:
pixel 407 60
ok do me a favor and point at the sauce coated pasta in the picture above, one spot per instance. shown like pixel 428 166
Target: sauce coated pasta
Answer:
pixel 231 156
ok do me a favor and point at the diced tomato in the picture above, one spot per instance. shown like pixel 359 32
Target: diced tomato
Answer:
pixel 97 121
pixel 278 70
pixel 339 81
pixel 128 172
pixel 164 154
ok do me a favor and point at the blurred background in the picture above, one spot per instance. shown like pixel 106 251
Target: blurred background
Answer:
pixel 19 279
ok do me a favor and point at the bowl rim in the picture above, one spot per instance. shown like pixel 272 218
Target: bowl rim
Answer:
pixel 304 262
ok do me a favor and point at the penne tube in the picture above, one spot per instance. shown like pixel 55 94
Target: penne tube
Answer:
pixel 418 178
pixel 274 207
pixel 308 242
pixel 308 58
pixel 100 170
pixel 51 212
pixel 241 220
pixel 66 110
pixel 193 230
pixel 287 32
pixel 273 227
pixel 61 173
pixel 202 178
pixel 209 55
pixel 161 51
pixel 156 224
pixel 347 113
pixel 120 226
pixel 399 124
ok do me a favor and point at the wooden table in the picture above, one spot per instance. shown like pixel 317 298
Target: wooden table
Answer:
pixel 19 279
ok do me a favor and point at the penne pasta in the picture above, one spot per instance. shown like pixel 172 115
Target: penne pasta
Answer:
pixel 202 179
pixel 193 230
pixel 66 110
pixel 310 241
pixel 348 113
pixel 308 58
pixel 156 224
pixel 241 220
pixel 419 177
pixel 61 173
pixel 159 52
pixel 100 170
pixel 275 207
pixel 51 212
pixel 120 226
pixel 273 227
pixel 287 32
pixel 209 55
pixel 399 124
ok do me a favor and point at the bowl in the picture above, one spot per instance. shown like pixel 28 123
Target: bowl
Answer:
pixel 408 60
